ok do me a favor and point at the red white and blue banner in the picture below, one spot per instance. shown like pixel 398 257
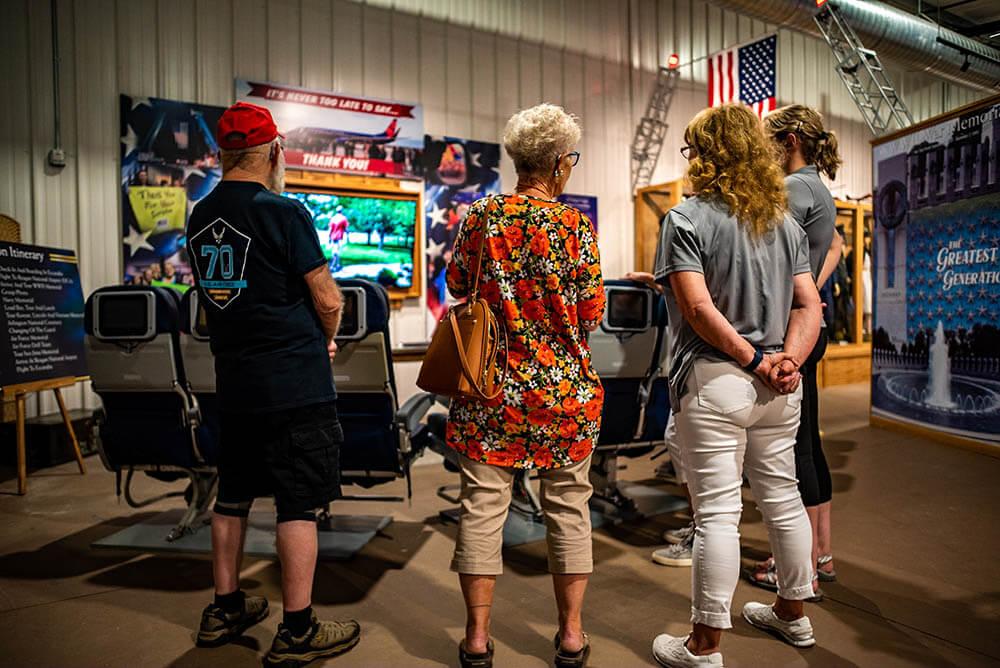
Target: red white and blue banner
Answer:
pixel 335 132
pixel 169 161
pixel 936 330
pixel 746 73
pixel 457 172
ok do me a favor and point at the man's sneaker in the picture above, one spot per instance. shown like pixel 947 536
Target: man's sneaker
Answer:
pixel 677 536
pixel 672 652
pixel 219 627
pixel 678 555
pixel 323 639
pixel 798 633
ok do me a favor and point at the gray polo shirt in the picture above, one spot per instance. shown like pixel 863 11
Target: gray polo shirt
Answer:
pixel 812 207
pixel 750 280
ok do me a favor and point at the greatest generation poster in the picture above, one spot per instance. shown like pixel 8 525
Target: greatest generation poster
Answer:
pixel 936 341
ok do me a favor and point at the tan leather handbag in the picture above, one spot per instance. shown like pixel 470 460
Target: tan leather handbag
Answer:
pixel 461 360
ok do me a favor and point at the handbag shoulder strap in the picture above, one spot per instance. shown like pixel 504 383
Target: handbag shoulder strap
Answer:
pixel 474 291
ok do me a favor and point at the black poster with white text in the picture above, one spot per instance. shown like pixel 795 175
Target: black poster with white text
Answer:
pixel 41 314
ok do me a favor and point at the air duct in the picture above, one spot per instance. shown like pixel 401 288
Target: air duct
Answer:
pixel 893 34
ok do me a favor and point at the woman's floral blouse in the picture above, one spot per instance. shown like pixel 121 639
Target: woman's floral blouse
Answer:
pixel 541 275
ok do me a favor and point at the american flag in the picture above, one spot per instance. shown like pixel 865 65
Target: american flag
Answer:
pixel 745 73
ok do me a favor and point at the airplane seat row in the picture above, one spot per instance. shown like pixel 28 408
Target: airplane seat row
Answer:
pixel 152 366
pixel 629 352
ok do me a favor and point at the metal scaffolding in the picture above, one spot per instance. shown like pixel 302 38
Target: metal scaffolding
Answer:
pixel 652 129
pixel 861 71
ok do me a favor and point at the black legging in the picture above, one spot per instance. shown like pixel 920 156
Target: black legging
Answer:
pixel 815 483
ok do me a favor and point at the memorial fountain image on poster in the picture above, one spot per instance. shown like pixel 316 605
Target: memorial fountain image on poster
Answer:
pixel 936 342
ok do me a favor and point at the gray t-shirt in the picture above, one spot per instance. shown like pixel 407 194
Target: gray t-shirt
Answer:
pixel 812 207
pixel 750 280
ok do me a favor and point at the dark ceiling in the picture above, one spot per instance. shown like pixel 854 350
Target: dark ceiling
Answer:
pixel 977 19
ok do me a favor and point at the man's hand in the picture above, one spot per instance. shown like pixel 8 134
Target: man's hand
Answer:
pixel 640 276
pixel 784 375
pixel 644 277
pixel 331 349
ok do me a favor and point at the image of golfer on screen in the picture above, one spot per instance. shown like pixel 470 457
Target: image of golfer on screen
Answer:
pixel 338 237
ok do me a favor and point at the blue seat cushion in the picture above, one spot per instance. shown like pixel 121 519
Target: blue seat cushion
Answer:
pixel 371 440
pixel 145 429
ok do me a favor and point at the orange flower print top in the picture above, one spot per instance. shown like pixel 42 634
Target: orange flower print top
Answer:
pixel 541 275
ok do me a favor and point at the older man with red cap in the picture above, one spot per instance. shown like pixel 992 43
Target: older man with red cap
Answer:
pixel 273 310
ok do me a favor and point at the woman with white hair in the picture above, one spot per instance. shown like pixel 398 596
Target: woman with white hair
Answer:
pixel 541 275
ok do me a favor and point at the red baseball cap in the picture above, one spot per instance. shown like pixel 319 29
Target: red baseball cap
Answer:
pixel 244 125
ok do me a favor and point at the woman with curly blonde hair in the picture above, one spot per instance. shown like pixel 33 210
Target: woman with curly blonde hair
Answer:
pixel 744 313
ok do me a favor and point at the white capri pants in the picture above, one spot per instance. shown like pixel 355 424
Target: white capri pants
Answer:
pixel 728 421
pixel 674 448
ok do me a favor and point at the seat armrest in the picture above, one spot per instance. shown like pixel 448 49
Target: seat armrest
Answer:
pixel 413 410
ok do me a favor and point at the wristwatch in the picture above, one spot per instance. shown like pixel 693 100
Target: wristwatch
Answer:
pixel 758 357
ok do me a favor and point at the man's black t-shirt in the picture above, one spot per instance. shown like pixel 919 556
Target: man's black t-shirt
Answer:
pixel 250 250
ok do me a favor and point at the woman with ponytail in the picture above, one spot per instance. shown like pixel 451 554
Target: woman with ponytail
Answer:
pixel 808 150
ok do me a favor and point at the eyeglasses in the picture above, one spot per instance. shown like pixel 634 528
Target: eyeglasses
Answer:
pixel 686 151
pixel 573 155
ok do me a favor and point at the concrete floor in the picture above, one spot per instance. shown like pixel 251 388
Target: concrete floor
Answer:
pixel 916 540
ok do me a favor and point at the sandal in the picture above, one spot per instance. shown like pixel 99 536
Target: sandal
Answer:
pixel 825 576
pixel 468 660
pixel 763 575
pixel 817 596
pixel 578 659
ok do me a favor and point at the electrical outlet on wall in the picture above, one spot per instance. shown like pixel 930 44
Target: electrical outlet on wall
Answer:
pixel 57 157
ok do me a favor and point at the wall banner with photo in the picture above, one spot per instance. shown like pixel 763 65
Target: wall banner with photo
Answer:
pixel 334 132
pixel 936 340
pixel 169 161
pixel 585 204
pixel 457 172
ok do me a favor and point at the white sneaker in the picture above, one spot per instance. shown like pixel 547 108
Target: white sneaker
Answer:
pixel 672 652
pixel 798 633
pixel 677 536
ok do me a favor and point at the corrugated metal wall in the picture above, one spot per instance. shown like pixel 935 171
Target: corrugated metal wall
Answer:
pixel 471 63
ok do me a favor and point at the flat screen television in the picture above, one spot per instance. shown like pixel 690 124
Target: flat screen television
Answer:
pixel 370 236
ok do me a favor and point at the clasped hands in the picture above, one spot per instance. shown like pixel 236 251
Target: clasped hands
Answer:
pixel 780 371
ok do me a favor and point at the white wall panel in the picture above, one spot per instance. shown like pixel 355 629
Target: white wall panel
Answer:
pixel 177 49
pixel 405 48
pixel 376 56
pixel 250 40
pixel 137 52
pixel 284 41
pixel 214 37
pixel 471 63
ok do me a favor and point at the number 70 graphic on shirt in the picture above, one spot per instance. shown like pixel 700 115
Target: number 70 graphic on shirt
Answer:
pixel 219 255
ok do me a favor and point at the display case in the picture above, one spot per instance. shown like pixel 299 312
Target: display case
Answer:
pixel 848 299
pixel 651 204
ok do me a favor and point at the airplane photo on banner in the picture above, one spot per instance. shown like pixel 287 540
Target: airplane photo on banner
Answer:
pixel 747 73
pixel 301 134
